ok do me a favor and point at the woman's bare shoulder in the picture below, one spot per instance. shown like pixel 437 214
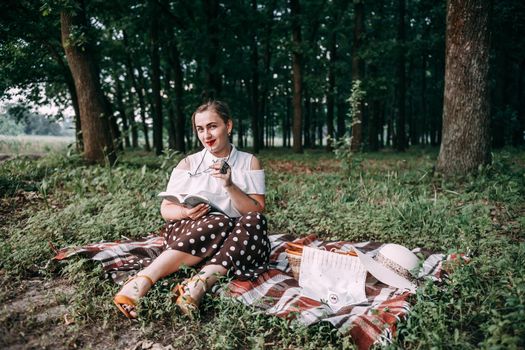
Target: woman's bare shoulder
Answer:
pixel 184 164
pixel 255 164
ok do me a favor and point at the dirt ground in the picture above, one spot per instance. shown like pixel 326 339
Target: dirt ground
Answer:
pixel 34 315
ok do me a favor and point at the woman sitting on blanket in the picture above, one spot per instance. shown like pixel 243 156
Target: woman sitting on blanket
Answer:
pixel 236 243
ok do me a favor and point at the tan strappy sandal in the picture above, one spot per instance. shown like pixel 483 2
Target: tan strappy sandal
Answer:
pixel 187 305
pixel 121 300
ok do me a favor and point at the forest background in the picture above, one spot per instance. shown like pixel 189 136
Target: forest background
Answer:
pixel 407 117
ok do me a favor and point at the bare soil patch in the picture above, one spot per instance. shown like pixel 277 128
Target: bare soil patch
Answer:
pixel 35 314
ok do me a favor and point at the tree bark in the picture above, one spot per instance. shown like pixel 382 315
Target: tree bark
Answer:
pixel 254 59
pixel 213 74
pixel 138 91
pixel 357 74
pixel 466 110
pixel 342 113
pixel 119 99
pixel 98 144
pixel 169 109
pixel 296 76
pixel 517 137
pixel 401 142
pixel 180 122
pixel 330 94
pixel 70 83
pixel 155 78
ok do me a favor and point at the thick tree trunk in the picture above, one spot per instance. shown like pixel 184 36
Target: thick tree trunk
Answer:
pixel 401 142
pixel 155 78
pixel 297 76
pixel 98 145
pixel 357 74
pixel 466 110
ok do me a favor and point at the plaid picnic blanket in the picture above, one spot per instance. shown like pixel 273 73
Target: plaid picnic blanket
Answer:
pixel 277 292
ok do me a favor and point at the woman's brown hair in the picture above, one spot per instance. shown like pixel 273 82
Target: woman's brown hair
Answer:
pixel 219 107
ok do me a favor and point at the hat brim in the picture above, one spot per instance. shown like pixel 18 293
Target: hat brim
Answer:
pixel 384 274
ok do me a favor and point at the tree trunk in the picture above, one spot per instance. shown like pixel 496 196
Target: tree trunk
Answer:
pixel 330 94
pixel 265 106
pixel 133 123
pixel 119 101
pixel 98 145
pixel 286 123
pixel 296 76
pixel 70 83
pixel 466 109
pixel 155 78
pixel 517 137
pixel 254 59
pixel 357 72
pixel 133 83
pixel 307 119
pixel 401 77
pixel 213 74
pixel 373 126
pixel 180 122
pixel 170 109
pixel 142 92
pixel 424 110
pixel 342 113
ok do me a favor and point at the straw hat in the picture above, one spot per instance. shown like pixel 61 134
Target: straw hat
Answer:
pixel 393 265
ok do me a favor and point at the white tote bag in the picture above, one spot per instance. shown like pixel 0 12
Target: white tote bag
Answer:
pixel 335 279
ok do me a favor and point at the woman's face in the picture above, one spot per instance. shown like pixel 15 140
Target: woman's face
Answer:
pixel 213 132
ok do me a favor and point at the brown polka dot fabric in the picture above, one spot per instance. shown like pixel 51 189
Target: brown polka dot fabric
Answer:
pixel 239 244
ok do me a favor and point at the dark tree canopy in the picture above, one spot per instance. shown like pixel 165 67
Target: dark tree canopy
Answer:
pixel 285 67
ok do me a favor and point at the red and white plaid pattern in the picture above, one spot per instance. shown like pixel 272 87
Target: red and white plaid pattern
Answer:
pixel 277 292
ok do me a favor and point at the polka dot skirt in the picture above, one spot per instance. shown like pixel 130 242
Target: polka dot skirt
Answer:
pixel 239 244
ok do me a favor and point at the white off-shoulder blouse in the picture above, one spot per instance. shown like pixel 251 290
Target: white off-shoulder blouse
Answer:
pixel 198 179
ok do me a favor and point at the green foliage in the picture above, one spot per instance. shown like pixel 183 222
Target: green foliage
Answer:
pixel 383 197
pixel 10 127
pixel 19 119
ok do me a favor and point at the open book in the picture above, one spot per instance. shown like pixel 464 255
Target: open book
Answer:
pixel 193 199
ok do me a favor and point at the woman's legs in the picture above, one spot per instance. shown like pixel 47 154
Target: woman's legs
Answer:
pixel 165 264
pixel 203 280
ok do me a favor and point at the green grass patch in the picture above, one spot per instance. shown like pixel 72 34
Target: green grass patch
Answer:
pixel 384 196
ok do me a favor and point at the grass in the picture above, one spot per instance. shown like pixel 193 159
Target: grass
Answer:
pixel 32 144
pixel 384 196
